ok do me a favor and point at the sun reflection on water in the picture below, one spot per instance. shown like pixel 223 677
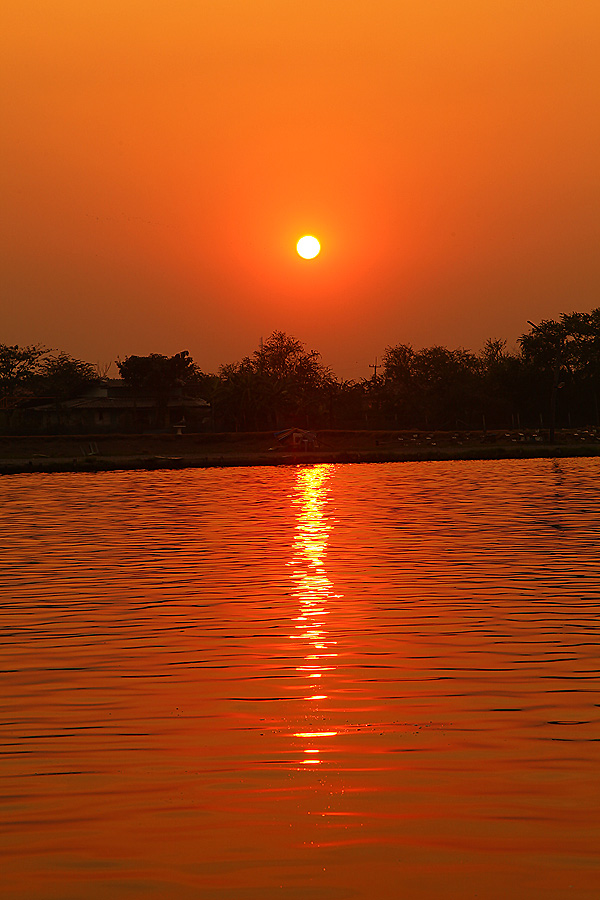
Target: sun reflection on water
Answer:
pixel 314 591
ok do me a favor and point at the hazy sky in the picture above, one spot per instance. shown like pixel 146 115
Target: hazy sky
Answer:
pixel 160 159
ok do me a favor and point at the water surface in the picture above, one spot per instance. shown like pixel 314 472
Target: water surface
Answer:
pixel 301 682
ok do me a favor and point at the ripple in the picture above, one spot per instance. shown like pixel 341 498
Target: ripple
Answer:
pixel 209 676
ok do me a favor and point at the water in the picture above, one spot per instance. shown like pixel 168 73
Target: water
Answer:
pixel 321 682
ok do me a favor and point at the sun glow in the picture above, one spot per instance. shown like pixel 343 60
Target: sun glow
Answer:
pixel 308 246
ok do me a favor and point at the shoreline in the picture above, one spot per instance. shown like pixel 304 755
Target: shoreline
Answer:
pixel 107 453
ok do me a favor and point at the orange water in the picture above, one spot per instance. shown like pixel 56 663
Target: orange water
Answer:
pixel 301 682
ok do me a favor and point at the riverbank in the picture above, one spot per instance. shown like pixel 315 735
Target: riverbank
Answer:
pixel 97 453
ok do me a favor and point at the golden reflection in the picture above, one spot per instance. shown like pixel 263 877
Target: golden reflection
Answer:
pixel 314 590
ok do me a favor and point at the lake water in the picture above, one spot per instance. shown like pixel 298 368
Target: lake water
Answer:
pixel 301 682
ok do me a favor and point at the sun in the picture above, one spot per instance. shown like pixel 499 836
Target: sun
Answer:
pixel 308 246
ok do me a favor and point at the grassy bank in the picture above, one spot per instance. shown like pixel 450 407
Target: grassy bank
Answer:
pixel 93 453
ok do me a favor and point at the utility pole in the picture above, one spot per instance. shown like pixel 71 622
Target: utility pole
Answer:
pixel 375 367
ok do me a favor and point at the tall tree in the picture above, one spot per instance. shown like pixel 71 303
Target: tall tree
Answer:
pixel 285 357
pixel 280 383
pixel 583 335
pixel 506 383
pixel 18 368
pixel 18 365
pixel 62 377
pixel 546 346
pixel 158 376
pixel 434 386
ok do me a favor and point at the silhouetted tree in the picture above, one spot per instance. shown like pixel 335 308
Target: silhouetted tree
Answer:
pixel 505 384
pixel 156 373
pixel 159 376
pixel 546 347
pixel 62 377
pixel 18 365
pixel 433 387
pixel 280 383
pixel 18 368
pixel 238 398
pixel 583 337
pixel 283 383
pixel 398 363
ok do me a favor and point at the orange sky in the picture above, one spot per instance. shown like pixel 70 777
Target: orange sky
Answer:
pixel 160 160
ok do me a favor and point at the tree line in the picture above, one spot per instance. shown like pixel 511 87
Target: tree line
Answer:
pixel 550 380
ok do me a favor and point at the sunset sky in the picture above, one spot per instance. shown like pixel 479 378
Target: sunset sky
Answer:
pixel 161 159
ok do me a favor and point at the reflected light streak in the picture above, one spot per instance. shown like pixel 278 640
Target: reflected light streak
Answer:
pixel 311 584
pixel 312 734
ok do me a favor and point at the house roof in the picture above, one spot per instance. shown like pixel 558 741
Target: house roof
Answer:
pixel 105 403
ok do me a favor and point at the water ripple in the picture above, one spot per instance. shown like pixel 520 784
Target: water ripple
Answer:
pixel 315 682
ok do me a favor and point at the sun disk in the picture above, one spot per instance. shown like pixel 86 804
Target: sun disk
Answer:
pixel 308 246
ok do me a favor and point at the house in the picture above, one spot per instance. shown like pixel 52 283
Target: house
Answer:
pixel 112 406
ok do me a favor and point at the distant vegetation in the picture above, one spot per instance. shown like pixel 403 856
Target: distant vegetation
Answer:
pixel 552 379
